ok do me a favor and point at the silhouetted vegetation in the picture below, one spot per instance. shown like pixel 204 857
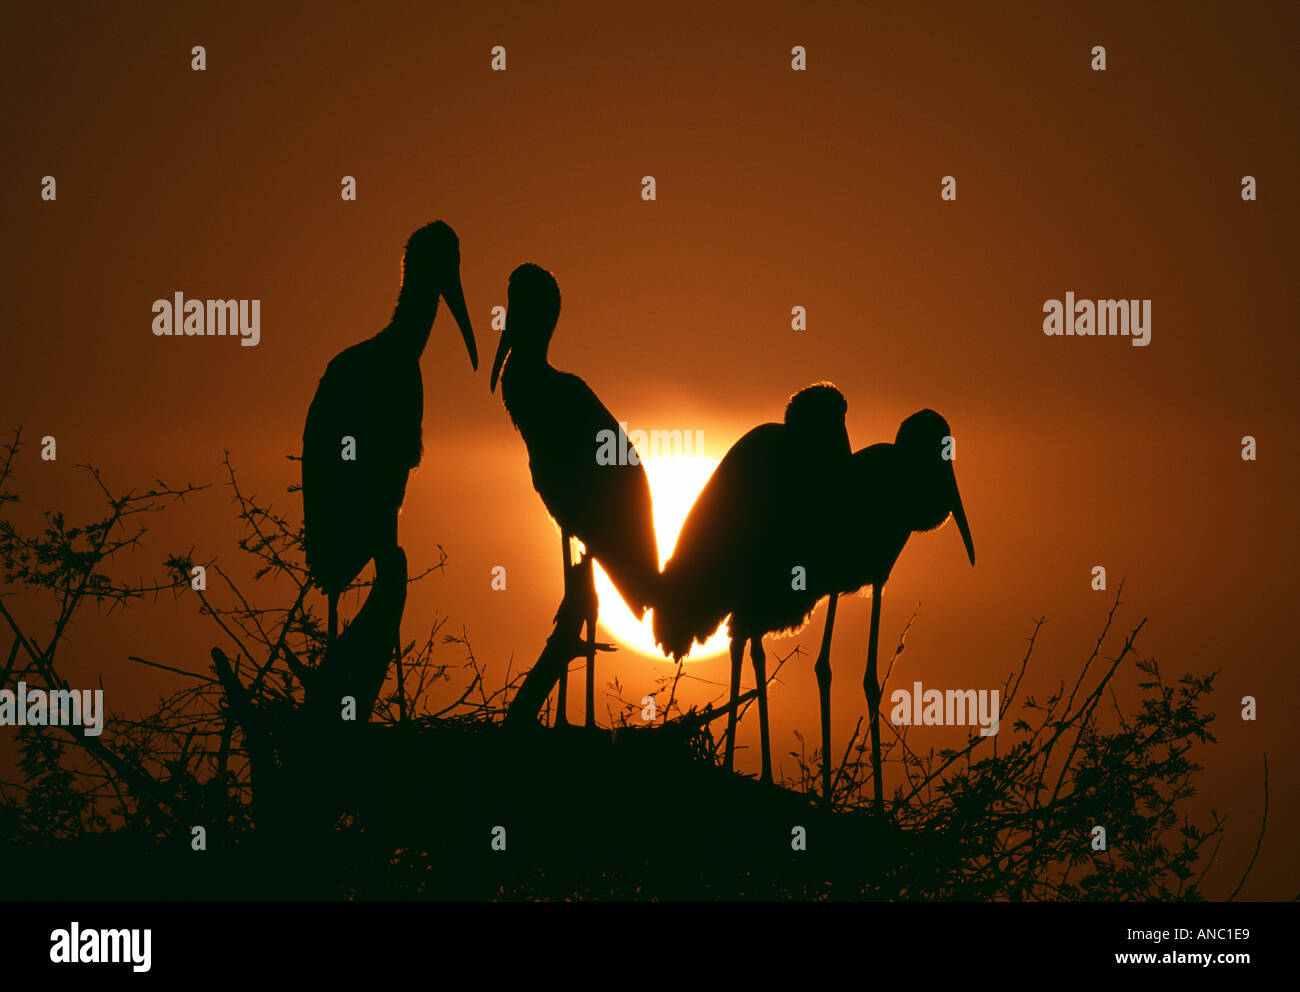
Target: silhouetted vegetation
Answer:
pixel 297 802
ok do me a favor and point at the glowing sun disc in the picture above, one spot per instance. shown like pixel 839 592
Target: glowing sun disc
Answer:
pixel 675 482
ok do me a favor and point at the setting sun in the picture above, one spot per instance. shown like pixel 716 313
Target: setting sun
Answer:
pixel 675 481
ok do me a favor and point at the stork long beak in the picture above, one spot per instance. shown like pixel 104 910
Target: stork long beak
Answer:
pixel 454 295
pixel 959 515
pixel 503 349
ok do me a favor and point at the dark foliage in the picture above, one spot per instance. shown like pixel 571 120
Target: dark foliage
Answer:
pixel 296 802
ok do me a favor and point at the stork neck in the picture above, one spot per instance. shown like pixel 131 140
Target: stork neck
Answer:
pixel 529 350
pixel 413 319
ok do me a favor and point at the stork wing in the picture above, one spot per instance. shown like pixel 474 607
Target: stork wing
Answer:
pixel 606 506
pixel 730 539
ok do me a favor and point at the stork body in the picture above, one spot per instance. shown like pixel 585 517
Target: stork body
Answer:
pixel 605 506
pixel 363 434
pixel 758 543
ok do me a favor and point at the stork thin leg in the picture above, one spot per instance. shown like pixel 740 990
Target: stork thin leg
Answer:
pixel 590 591
pixel 401 679
pixel 871 685
pixel 562 699
pixel 562 646
pixel 397 626
pixel 562 696
pixel 737 658
pixel 823 668
pixel 759 660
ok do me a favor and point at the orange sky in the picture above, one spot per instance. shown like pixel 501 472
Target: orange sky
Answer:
pixel 775 189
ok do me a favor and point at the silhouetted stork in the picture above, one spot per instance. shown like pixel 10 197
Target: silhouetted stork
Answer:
pixel 607 507
pixel 896 489
pixel 372 394
pixel 767 512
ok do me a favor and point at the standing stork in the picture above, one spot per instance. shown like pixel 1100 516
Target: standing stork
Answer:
pixel 363 432
pixel 757 544
pixel 607 507
pixel 896 489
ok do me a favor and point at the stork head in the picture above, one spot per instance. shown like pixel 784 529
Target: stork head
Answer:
pixel 816 416
pixel 532 310
pixel 431 264
pixel 925 444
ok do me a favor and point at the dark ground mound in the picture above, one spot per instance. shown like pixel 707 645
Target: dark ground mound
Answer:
pixel 641 813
